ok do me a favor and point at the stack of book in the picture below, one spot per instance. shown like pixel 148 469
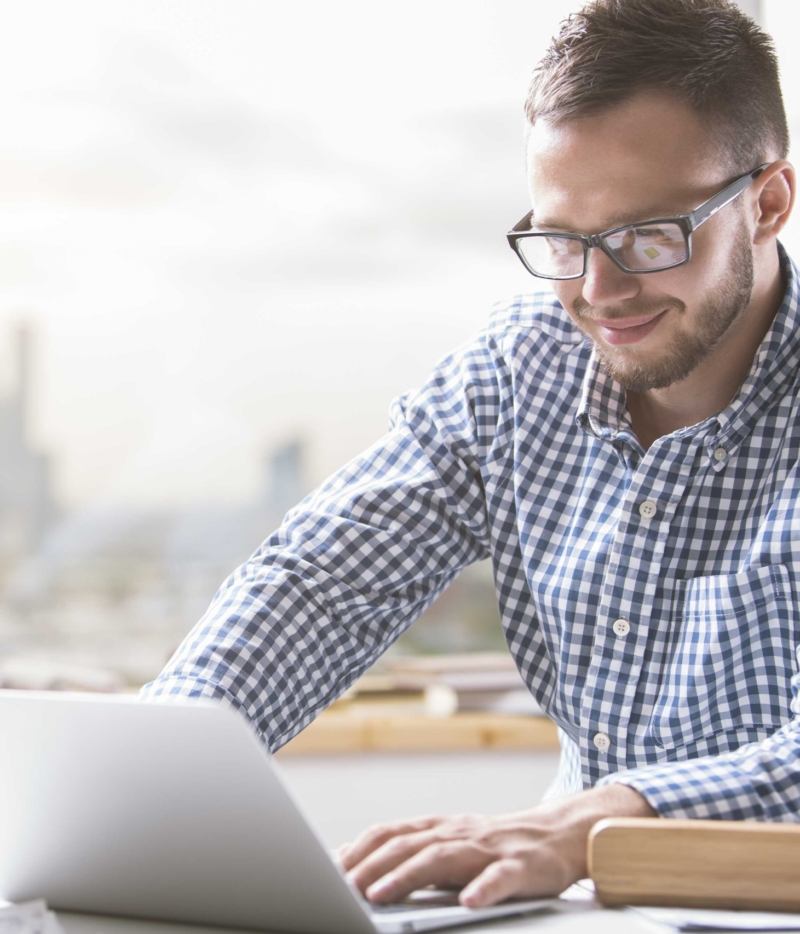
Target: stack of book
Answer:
pixel 486 682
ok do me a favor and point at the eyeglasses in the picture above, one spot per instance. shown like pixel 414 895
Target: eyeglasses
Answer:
pixel 649 246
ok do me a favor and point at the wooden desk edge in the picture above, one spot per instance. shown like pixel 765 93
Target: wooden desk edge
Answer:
pixel 345 732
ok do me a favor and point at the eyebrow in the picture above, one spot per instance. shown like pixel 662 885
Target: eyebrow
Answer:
pixel 618 220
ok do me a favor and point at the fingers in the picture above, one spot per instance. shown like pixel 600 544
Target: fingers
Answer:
pixel 491 858
pixel 388 857
pixel 351 854
pixel 502 879
pixel 448 864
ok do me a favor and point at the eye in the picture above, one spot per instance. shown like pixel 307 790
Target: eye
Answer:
pixel 651 233
pixel 559 245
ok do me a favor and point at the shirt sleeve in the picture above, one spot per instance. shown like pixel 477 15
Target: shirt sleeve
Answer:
pixel 353 565
pixel 757 781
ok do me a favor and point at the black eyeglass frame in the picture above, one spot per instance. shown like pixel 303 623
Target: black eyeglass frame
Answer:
pixel 687 222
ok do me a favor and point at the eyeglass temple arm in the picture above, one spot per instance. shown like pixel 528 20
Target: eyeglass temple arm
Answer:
pixel 718 202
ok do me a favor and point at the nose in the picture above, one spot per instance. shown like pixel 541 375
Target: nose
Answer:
pixel 605 283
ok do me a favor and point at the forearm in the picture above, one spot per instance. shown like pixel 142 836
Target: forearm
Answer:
pixel 759 781
pixel 281 646
pixel 350 568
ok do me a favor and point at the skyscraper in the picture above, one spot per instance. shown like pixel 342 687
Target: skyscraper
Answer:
pixel 26 502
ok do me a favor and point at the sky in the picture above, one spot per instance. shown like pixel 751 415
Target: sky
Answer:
pixel 237 222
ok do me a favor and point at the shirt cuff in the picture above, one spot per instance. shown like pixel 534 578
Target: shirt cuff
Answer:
pixel 748 784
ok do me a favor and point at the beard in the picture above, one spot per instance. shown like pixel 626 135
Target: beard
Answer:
pixel 686 350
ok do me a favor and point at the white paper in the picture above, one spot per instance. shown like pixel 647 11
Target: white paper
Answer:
pixel 709 919
pixel 28 918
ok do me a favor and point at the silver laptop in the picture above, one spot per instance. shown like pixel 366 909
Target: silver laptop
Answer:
pixel 172 811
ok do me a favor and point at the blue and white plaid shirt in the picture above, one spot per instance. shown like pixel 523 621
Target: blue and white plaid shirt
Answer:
pixel 520 449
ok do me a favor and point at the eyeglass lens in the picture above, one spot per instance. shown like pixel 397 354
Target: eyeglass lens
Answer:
pixel 646 248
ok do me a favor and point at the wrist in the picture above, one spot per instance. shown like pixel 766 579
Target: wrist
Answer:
pixel 615 800
pixel 620 800
pixel 574 817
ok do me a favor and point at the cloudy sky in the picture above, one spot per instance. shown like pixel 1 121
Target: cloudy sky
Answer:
pixel 234 222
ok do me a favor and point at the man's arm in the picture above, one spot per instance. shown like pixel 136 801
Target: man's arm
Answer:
pixel 353 565
pixel 759 781
pixel 542 851
pixel 489 857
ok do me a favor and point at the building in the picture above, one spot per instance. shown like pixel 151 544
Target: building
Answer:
pixel 26 502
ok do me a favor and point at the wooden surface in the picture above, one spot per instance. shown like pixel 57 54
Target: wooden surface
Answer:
pixel 697 864
pixel 398 727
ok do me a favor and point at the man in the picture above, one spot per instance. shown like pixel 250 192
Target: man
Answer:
pixel 636 491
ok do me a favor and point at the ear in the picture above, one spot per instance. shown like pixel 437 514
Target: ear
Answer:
pixel 774 190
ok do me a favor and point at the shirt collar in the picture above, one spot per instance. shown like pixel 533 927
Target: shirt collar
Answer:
pixel 603 412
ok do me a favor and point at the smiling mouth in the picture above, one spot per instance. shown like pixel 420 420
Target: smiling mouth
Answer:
pixel 622 324
pixel 629 330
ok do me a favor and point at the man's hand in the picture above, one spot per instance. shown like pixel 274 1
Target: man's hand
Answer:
pixel 489 857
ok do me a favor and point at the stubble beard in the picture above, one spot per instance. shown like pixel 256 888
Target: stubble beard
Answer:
pixel 687 350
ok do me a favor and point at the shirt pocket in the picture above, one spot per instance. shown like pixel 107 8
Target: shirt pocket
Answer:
pixel 730 657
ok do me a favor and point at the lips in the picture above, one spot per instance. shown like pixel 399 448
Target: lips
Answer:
pixel 629 330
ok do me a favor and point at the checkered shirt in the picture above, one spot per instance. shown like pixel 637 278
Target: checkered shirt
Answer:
pixel 520 449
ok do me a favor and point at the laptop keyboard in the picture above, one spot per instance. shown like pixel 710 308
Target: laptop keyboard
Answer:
pixel 388 909
pixel 440 900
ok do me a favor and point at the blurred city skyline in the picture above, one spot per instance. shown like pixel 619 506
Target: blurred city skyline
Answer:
pixel 234 223
pixel 231 233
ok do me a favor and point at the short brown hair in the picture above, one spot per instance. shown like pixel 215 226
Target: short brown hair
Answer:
pixel 706 51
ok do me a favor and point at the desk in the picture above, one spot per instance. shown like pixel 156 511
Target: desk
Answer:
pixel 571 917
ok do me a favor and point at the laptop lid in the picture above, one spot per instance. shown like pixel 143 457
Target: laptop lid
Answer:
pixel 170 811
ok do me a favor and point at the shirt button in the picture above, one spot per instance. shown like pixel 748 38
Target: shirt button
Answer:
pixel 621 627
pixel 602 741
pixel 720 454
pixel 647 509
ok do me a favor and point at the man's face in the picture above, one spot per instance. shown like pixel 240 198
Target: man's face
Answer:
pixel 647 158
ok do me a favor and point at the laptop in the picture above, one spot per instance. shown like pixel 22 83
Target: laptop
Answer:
pixel 173 811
